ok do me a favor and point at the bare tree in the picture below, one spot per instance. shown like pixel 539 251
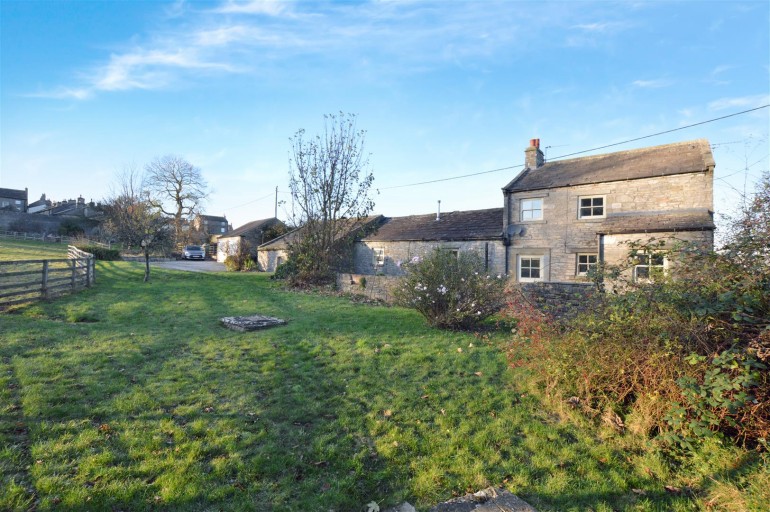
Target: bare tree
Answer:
pixel 178 189
pixel 330 181
pixel 133 220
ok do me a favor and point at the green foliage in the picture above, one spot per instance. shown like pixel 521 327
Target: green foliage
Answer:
pixel 240 258
pixel 70 227
pixel 285 270
pixel 451 290
pixel 711 405
pixel 101 253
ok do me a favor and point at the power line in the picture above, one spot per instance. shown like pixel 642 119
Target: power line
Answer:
pixel 578 152
pixel 250 202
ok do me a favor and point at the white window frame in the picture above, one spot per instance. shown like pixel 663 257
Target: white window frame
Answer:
pixel 379 256
pixel 530 206
pixel 647 263
pixel 520 268
pixel 592 206
pixel 588 265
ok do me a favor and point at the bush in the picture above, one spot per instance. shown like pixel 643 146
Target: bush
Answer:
pixel 101 253
pixel 241 260
pixel 285 270
pixel 71 228
pixel 684 357
pixel 451 290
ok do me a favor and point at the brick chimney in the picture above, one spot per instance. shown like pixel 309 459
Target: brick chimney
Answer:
pixel 533 157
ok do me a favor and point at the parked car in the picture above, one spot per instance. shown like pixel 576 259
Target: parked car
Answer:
pixel 193 252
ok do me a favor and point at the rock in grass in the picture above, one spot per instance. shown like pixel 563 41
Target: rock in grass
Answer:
pixel 486 500
pixel 250 323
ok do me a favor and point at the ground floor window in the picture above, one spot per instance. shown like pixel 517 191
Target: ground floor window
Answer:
pixel 379 257
pixel 647 266
pixel 530 268
pixel 586 263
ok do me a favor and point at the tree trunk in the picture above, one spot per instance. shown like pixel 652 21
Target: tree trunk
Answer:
pixel 146 264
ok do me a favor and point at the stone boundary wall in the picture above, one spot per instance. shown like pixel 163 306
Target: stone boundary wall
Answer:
pixel 44 224
pixel 560 299
pixel 371 286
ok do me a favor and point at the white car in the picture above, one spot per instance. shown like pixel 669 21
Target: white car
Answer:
pixel 193 252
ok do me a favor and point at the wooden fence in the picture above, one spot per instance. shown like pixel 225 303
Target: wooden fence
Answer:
pixel 56 239
pixel 30 280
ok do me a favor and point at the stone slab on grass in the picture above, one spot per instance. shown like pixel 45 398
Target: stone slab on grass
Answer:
pixel 486 500
pixel 250 323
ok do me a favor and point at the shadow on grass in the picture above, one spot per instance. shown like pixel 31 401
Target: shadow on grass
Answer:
pixel 157 406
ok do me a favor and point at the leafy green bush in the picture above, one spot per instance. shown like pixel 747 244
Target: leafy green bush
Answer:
pixel 285 270
pixel 240 259
pixel 451 290
pixel 101 253
pixel 232 264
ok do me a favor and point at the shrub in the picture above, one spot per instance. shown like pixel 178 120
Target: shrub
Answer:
pixel 451 290
pixel 681 356
pixel 240 259
pixel 70 227
pixel 285 270
pixel 101 253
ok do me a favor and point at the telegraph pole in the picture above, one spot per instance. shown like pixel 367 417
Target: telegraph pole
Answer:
pixel 276 202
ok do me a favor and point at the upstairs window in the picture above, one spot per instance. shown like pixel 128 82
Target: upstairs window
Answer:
pixel 586 263
pixel 648 266
pixel 591 207
pixel 531 209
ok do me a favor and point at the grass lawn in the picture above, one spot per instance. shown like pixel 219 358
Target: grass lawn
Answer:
pixel 12 249
pixel 130 396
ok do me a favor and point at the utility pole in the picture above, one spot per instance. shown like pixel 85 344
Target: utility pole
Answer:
pixel 276 202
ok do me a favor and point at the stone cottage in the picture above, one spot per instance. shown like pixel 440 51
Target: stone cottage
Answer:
pixel 253 233
pixel 399 239
pixel 273 253
pixel 562 218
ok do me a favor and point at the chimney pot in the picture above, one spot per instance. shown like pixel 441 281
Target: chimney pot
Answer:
pixel 533 157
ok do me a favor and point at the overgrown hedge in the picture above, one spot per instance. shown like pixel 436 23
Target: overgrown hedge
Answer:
pixel 101 253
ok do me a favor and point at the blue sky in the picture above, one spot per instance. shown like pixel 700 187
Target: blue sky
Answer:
pixel 442 88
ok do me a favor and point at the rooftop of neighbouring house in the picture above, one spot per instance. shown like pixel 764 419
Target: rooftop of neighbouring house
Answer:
pixel 256 225
pixel 450 226
pixel 665 160
pixel 693 219
pixel 12 193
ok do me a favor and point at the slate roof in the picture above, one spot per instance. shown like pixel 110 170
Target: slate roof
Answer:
pixel 452 226
pixel 213 218
pixel 256 225
pixel 695 219
pixel 665 160
pixel 354 225
pixel 12 193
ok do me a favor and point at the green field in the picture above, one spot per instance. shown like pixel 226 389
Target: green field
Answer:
pixel 11 249
pixel 131 396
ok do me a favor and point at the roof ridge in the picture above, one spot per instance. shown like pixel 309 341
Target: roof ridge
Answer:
pixel 635 150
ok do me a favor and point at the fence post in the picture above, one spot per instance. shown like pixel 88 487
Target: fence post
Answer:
pixel 44 287
pixel 74 275
pixel 90 272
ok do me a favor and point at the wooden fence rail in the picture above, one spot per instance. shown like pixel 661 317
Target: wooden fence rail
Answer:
pixel 30 280
pixel 56 239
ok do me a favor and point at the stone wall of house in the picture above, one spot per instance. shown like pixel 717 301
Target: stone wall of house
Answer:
pixel 617 247
pixel 560 236
pixel 397 253
pixel 370 286
pixel 43 224
pixel 268 261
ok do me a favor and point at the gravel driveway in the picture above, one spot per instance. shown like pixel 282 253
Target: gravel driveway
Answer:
pixel 190 265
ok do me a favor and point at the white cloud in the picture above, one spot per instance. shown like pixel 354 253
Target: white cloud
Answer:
pixel 745 102
pixel 652 84
pixel 266 7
